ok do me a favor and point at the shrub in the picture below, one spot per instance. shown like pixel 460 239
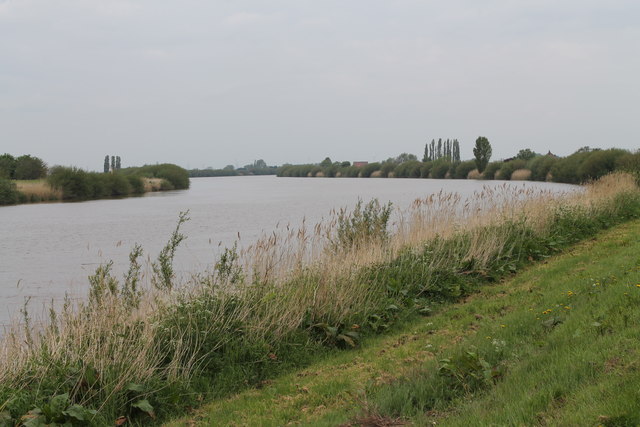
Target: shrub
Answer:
pixel 507 168
pixel 8 192
pixel 541 166
pixel 440 169
pixel 463 169
pixel 599 163
pixel 177 176
pixel 410 169
pixel 490 171
pixel 425 169
pixel 73 182
pixel 387 169
pixel 369 169
pixel 7 166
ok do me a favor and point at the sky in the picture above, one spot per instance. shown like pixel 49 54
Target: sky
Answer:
pixel 205 83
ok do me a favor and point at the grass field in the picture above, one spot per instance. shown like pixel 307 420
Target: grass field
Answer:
pixel 555 345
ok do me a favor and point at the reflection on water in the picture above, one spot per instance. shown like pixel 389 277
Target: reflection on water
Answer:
pixel 48 250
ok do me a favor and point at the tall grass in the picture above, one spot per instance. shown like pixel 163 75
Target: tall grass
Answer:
pixel 149 344
pixel 38 190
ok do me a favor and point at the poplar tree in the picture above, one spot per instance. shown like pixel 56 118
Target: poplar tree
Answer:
pixel 113 163
pixel 106 164
pixel 482 152
pixel 118 164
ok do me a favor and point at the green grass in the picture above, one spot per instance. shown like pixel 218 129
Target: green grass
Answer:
pixel 568 366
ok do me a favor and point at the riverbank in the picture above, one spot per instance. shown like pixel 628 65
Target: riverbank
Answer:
pixel 73 184
pixel 553 345
pixel 136 351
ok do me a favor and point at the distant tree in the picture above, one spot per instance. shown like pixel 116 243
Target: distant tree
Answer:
pixel 432 156
pixel 29 167
pixel 113 163
pixel 439 152
pixel 526 154
pixel 106 164
pixel 7 166
pixel 345 164
pixel 259 164
pixel 326 162
pixel 425 157
pixel 229 168
pixel 405 157
pixel 118 163
pixel 456 151
pixel 482 152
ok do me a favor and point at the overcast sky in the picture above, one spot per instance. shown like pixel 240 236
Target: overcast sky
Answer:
pixel 211 83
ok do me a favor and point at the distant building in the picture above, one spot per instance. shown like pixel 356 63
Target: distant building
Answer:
pixel 360 164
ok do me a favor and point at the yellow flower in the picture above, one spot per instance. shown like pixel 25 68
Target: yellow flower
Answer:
pixel 566 307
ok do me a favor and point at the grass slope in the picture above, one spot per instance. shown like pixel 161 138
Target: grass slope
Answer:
pixel 556 345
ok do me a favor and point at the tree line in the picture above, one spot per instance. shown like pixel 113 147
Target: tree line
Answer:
pixel 441 160
pixel 258 167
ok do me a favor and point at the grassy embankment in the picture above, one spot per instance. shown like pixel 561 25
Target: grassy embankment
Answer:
pixel 554 345
pixel 151 345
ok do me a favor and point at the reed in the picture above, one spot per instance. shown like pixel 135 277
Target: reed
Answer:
pixel 135 346
pixel 38 190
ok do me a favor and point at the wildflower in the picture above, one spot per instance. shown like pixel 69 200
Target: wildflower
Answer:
pixel 569 293
pixel 638 285
pixel 503 326
pixel 566 307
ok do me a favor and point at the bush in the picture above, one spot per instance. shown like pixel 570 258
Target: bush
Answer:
pixel 425 169
pixel 599 163
pixel 409 169
pixel 9 194
pixel 490 171
pixel 463 169
pixel 7 166
pixel 440 169
pixel 541 166
pixel 369 169
pixel 175 175
pixel 566 169
pixel 136 183
pixel 387 169
pixel 508 168
pixel 73 182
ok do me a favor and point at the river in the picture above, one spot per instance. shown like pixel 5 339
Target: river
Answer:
pixel 47 250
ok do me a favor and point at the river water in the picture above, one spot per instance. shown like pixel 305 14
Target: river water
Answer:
pixel 47 250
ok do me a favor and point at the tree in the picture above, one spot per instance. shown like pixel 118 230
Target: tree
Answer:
pixel 456 151
pixel 526 154
pixel 426 158
pixel 106 164
pixel 405 157
pixel 7 166
pixel 482 153
pixel 229 168
pixel 118 163
pixel 259 164
pixel 113 163
pixel 326 162
pixel 29 167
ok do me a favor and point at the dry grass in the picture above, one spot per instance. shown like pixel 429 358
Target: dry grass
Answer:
pixel 152 184
pixel 474 174
pixel 283 277
pixel 521 175
pixel 38 190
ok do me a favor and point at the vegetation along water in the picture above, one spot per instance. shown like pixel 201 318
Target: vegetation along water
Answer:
pixel 140 350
